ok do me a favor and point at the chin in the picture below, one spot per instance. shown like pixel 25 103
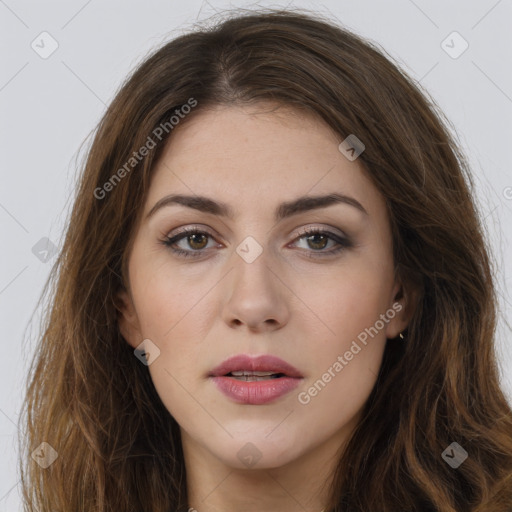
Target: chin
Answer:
pixel 254 457
pixel 256 450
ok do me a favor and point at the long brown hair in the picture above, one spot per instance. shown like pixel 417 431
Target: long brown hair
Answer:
pixel 94 403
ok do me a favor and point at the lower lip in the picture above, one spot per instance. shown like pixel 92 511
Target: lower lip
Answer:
pixel 257 392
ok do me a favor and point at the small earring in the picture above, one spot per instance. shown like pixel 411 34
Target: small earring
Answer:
pixel 402 337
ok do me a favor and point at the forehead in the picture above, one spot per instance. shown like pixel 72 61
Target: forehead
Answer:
pixel 257 156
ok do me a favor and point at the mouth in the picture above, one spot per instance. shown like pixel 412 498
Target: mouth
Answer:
pixel 245 367
pixel 255 380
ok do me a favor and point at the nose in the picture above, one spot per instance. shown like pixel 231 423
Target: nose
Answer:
pixel 256 295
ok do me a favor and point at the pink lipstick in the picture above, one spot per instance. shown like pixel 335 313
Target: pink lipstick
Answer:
pixel 255 380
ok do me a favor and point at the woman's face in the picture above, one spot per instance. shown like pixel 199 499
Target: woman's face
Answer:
pixel 309 313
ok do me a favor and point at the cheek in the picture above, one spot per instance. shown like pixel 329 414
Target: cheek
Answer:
pixel 349 308
pixel 349 301
pixel 169 296
pixel 345 360
pixel 176 312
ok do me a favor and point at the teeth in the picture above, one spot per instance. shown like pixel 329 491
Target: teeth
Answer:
pixel 245 373
pixel 252 378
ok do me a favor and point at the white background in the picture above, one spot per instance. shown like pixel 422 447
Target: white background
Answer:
pixel 49 106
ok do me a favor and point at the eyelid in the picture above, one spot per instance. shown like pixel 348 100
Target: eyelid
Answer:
pixel 327 229
pixel 190 228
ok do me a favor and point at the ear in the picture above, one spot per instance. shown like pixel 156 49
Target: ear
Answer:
pixel 127 319
pixel 402 305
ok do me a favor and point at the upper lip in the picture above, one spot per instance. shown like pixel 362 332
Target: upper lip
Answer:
pixel 261 363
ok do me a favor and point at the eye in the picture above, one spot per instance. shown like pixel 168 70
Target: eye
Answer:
pixel 197 240
pixel 318 239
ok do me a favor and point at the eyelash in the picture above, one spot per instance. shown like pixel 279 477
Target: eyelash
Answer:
pixel 343 243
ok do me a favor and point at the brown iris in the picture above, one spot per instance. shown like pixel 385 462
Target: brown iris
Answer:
pixel 325 238
pixel 192 239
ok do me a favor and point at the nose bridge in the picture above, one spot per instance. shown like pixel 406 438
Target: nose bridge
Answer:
pixel 255 295
pixel 253 264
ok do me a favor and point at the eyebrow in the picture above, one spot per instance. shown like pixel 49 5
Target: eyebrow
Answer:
pixel 284 210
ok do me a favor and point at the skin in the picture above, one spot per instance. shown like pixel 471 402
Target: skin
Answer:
pixel 200 311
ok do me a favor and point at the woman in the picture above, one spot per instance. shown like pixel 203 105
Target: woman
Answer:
pixel 274 293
